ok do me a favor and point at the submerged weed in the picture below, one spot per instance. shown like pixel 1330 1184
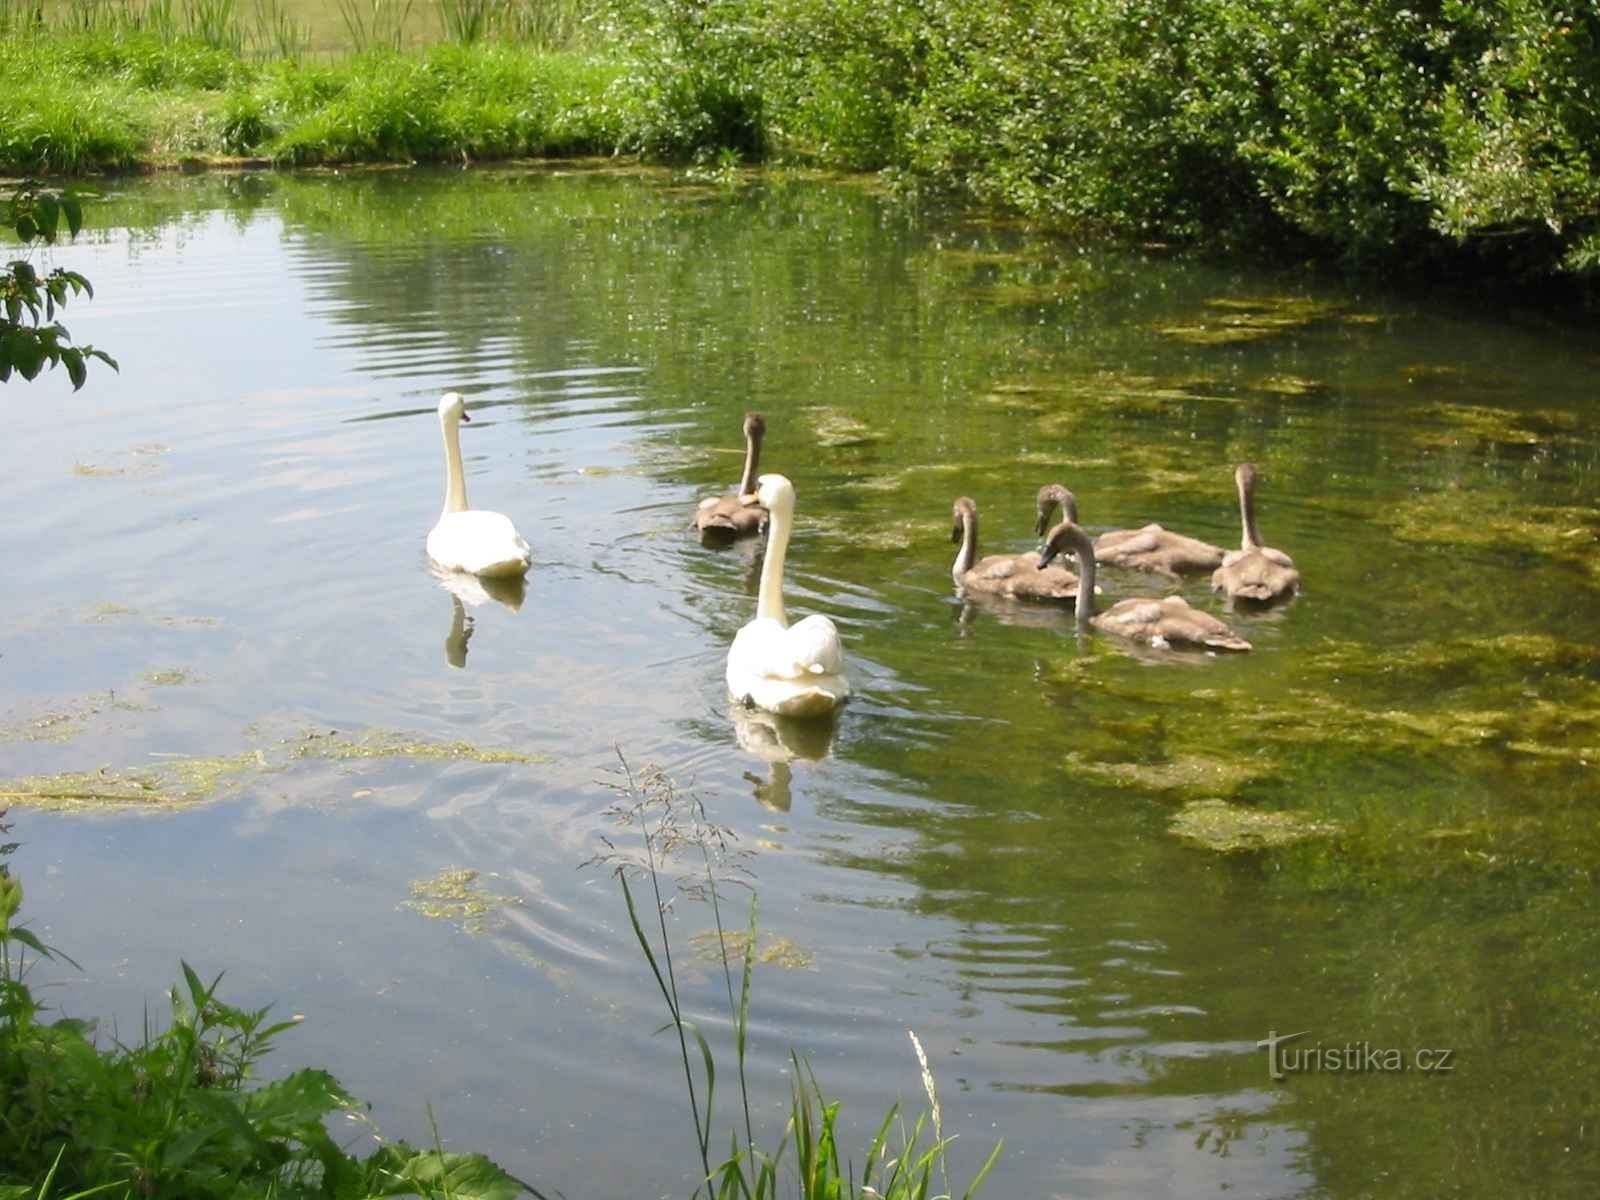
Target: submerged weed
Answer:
pixel 1229 828
pixel 392 743
pixel 671 821
pixel 181 781
pixel 455 895
pixel 835 428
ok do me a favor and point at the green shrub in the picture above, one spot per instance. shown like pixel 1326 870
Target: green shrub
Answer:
pixel 179 1114
pixel 1386 133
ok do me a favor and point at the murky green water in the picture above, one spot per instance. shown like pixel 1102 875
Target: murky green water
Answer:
pixel 219 552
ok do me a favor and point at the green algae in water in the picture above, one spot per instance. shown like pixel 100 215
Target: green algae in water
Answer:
pixel 178 783
pixel 455 895
pixel 835 428
pixel 1123 392
pixel 66 720
pixel 1230 828
pixel 879 535
pixel 169 677
pixel 1162 468
pixel 1483 424
pixel 1294 386
pixel 710 946
pixel 1232 322
pixel 106 612
pixel 49 725
pixel 1193 774
pixel 1513 655
pixel 1455 515
pixel 181 781
pixel 390 743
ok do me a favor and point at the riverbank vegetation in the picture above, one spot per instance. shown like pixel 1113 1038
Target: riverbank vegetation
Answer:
pixel 1437 135
pixel 180 1113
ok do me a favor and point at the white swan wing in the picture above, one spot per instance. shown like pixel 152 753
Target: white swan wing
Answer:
pixel 814 646
pixel 480 543
pixel 795 671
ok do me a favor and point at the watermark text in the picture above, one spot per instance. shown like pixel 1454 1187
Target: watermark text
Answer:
pixel 1350 1058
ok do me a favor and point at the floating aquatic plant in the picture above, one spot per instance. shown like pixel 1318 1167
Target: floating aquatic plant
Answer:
pixel 1193 774
pixel 1231 321
pixel 1483 424
pixel 1568 533
pixel 180 781
pixel 174 783
pixel 456 895
pixel 1229 828
pixel 733 945
pixel 65 719
pixel 833 427
pixel 391 743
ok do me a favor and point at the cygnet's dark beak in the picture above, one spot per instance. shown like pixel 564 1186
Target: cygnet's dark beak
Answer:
pixel 1038 526
pixel 955 532
pixel 1047 556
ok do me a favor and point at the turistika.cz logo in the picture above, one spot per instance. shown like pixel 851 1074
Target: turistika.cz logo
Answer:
pixel 1352 1058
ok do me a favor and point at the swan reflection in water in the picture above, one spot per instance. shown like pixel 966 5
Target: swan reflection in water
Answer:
pixel 473 591
pixel 779 741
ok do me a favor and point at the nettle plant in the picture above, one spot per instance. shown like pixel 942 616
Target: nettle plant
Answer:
pixel 31 338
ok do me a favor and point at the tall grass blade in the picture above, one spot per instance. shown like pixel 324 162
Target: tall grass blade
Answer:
pixel 977 1180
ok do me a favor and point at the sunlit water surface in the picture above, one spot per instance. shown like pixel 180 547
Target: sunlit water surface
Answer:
pixel 218 551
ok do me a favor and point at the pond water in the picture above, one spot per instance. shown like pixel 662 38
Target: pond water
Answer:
pixel 217 554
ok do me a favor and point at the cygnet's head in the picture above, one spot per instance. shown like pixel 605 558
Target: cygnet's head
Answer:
pixel 775 491
pixel 1066 538
pixel 962 513
pixel 755 426
pixel 453 408
pixel 1050 495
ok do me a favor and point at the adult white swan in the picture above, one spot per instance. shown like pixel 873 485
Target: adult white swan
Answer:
pixel 470 539
pixel 793 670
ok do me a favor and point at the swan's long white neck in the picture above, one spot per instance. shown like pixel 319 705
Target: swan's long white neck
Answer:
pixel 752 460
pixel 455 481
pixel 1247 514
pixel 968 554
pixel 780 519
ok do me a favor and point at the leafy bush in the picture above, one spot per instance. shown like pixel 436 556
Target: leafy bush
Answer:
pixel 1383 132
pixel 177 1115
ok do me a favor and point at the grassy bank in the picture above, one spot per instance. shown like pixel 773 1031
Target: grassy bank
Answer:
pixel 72 104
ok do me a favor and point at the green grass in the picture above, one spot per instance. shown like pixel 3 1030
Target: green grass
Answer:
pixel 72 104
pixel 899 1162
pixel 290 28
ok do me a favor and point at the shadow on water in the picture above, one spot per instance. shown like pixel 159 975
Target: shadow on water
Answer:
pixel 996 841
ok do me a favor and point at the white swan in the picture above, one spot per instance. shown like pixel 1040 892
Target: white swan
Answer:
pixel 470 539
pixel 793 670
